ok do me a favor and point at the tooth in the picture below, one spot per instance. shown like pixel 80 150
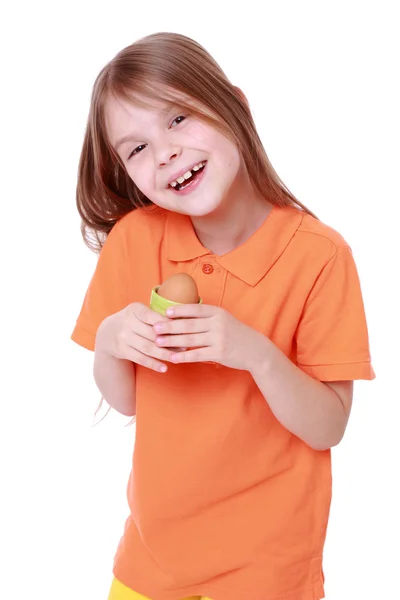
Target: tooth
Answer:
pixel 180 179
pixel 173 184
pixel 187 175
pixel 196 168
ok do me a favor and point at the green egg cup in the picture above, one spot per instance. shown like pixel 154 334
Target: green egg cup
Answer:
pixel 160 304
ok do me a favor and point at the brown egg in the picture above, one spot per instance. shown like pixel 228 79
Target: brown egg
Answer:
pixel 181 288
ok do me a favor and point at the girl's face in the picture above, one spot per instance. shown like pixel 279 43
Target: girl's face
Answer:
pixel 161 145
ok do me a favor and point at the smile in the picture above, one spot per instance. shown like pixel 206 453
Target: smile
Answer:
pixel 188 178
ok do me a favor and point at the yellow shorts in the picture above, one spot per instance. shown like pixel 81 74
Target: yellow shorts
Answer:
pixel 119 591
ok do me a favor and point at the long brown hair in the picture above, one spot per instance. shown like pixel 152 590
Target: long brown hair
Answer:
pixel 163 66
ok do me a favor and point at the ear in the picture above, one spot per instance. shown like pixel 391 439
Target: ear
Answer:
pixel 241 95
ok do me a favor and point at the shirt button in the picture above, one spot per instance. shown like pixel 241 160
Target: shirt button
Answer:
pixel 208 269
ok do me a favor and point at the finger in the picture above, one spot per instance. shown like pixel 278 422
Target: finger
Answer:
pixel 145 361
pixel 192 311
pixel 148 347
pixel 192 356
pixel 146 314
pixel 145 331
pixel 184 341
pixel 179 326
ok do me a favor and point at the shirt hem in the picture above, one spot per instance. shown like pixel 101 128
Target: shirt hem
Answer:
pixel 315 592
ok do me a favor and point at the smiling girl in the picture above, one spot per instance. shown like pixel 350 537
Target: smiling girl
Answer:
pixel 230 487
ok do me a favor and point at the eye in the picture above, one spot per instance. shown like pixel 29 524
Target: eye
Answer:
pixel 137 150
pixel 178 120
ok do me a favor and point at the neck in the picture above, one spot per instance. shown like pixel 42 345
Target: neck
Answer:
pixel 235 222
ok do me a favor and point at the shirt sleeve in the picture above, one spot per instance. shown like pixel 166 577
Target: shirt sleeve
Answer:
pixel 108 290
pixel 332 337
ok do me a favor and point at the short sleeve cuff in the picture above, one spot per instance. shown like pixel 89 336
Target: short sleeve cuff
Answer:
pixel 343 372
pixel 83 337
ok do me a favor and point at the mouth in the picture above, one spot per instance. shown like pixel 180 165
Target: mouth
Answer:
pixel 188 178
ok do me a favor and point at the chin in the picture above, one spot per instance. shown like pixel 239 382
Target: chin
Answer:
pixel 196 205
pixel 201 212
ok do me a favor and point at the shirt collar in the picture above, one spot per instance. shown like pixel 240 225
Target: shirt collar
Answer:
pixel 249 261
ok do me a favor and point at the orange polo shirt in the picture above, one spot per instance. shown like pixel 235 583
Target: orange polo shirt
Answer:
pixel 224 501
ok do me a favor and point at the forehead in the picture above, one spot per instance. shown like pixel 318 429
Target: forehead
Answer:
pixel 133 108
pixel 158 100
pixel 139 107
pixel 124 116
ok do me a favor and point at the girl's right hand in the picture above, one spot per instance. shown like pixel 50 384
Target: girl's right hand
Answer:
pixel 129 334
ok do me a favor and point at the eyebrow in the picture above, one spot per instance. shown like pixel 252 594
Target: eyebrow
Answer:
pixel 126 138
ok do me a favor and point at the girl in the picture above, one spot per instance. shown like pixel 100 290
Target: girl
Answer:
pixel 230 487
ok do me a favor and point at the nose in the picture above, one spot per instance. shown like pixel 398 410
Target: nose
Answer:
pixel 167 154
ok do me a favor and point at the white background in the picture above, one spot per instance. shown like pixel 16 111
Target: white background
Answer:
pixel 322 81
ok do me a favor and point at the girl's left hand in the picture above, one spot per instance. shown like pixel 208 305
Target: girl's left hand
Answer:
pixel 209 334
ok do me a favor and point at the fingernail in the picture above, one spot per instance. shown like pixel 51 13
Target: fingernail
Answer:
pixel 158 328
pixel 170 312
pixel 163 369
pixel 159 341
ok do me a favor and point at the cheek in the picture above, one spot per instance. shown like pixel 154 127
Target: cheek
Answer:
pixel 223 145
pixel 229 158
pixel 141 176
pixel 215 143
pixel 196 136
